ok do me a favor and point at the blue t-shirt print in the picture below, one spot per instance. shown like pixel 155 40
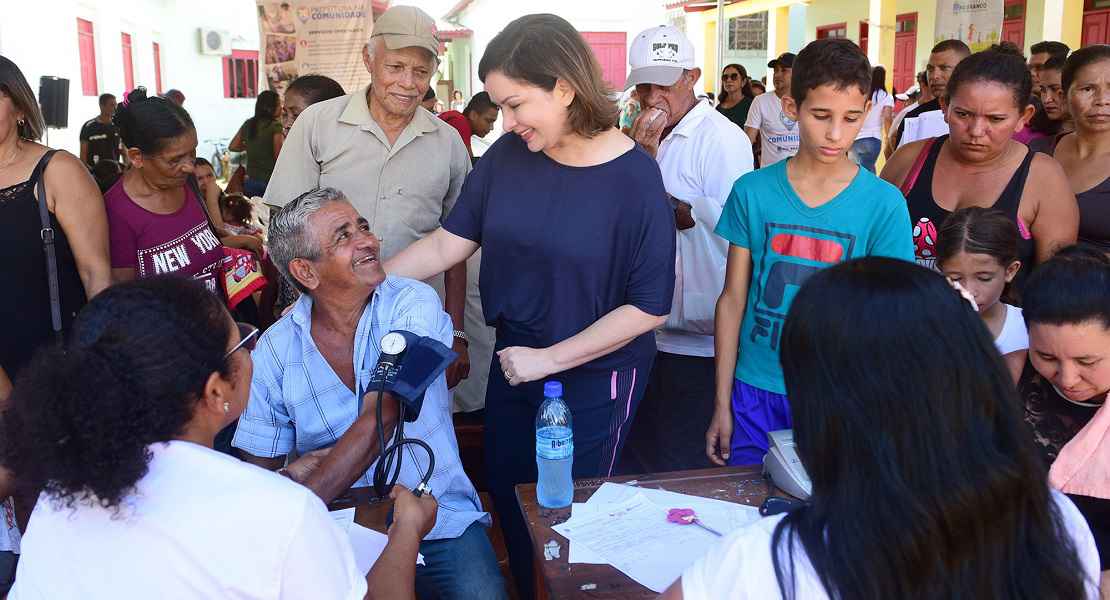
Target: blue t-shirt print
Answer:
pixel 789 241
pixel 788 141
pixel 791 253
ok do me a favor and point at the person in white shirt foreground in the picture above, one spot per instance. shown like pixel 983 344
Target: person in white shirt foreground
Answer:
pixel 700 154
pixel 117 427
pixel 926 482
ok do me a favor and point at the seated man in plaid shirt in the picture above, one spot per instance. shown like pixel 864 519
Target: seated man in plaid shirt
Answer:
pixel 311 377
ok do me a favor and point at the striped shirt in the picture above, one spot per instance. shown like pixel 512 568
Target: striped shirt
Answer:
pixel 297 400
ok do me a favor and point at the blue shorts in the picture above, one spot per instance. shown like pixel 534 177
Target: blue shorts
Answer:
pixel 754 413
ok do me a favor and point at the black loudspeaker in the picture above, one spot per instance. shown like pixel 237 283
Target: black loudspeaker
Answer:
pixel 54 100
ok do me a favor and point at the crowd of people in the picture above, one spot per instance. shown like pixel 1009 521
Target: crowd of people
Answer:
pixel 695 272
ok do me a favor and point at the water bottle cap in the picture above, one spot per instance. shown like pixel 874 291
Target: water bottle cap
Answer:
pixel 553 389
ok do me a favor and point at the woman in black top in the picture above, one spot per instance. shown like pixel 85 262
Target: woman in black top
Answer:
pixel 1085 153
pixel 77 218
pixel 736 94
pixel 979 164
pixel 1067 378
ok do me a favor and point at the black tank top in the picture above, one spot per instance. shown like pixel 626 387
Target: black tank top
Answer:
pixel 1094 204
pixel 25 307
pixel 928 218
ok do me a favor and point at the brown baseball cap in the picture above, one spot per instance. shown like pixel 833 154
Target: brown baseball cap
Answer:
pixel 407 26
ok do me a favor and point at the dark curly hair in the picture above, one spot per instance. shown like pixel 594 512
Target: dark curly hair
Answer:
pixel 831 61
pixel 150 123
pixel 82 415
pixel 1002 64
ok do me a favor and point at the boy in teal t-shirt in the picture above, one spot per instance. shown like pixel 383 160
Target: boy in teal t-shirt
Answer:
pixel 785 222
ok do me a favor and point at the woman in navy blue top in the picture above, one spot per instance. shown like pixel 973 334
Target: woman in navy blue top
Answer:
pixel 578 253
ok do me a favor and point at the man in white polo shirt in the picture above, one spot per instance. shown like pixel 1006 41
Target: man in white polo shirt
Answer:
pixel 777 133
pixel 701 154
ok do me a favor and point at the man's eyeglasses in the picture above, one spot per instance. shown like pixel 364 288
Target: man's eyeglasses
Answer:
pixel 248 337
pixel 730 76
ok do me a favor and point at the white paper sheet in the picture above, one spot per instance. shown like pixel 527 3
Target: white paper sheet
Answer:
pixel 927 125
pixel 366 543
pixel 723 516
pixel 579 554
pixel 635 537
pixel 343 518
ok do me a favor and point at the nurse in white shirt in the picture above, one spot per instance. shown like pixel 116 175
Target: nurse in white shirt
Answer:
pixel 926 482
pixel 117 429
pixel 978 248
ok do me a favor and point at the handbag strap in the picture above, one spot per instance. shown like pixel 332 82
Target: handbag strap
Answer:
pixel 194 185
pixel 47 236
pixel 918 164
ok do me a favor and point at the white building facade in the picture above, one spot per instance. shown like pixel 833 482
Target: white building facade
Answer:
pixel 52 38
pixel 608 25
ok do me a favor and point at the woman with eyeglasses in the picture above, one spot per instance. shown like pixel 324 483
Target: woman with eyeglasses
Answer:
pixel 159 220
pixel 117 428
pixel 736 94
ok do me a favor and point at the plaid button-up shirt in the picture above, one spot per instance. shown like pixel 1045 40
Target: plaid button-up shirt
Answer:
pixel 297 400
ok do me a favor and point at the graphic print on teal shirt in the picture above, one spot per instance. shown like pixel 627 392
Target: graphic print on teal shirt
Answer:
pixel 790 240
pixel 791 253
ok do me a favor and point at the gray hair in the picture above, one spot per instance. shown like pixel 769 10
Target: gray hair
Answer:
pixel 289 235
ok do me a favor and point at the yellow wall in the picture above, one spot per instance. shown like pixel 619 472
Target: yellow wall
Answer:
pixel 1034 23
pixel 709 70
pixel 1072 33
pixel 1061 18
pixel 829 12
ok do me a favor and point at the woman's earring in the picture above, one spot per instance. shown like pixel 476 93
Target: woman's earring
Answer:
pixel 227 406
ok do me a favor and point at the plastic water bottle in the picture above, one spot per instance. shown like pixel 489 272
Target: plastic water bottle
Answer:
pixel 554 449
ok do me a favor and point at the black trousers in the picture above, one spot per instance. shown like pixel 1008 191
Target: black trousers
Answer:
pixel 669 431
pixel 602 406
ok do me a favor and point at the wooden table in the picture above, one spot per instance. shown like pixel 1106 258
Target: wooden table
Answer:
pixel 560 580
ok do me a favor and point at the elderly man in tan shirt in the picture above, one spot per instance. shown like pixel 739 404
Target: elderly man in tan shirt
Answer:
pixel 401 167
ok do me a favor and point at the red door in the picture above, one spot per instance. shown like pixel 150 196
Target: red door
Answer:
pixel 128 65
pixel 905 51
pixel 863 31
pixel 611 49
pixel 1013 22
pixel 1096 27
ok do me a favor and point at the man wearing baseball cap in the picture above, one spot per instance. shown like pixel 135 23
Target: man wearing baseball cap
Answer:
pixel 402 169
pixel 701 154
pixel 777 133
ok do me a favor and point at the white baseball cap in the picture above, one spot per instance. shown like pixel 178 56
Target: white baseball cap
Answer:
pixel 659 55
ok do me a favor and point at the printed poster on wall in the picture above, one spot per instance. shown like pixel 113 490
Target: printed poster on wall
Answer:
pixel 314 37
pixel 978 23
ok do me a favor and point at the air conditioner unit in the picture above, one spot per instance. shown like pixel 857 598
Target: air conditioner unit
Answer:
pixel 215 41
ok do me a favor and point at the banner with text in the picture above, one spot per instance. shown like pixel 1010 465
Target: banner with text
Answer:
pixel 977 23
pixel 314 37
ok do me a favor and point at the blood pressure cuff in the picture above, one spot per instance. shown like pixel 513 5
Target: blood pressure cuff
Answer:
pixel 423 360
